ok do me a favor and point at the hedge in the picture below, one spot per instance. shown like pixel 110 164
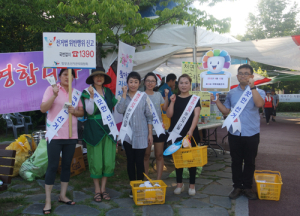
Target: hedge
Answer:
pixel 288 107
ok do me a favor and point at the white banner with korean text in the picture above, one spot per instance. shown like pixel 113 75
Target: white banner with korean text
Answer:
pixel 125 65
pixel 289 97
pixel 69 50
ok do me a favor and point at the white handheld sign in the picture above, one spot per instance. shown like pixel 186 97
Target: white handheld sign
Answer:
pixel 69 50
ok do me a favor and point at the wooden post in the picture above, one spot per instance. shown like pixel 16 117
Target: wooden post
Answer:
pixel 70 100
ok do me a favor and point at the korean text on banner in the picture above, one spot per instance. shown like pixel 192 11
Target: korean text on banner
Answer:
pixel 125 65
pixel 69 50
pixel 289 97
pixel 24 79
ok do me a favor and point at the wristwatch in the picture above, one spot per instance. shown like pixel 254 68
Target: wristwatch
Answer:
pixel 253 88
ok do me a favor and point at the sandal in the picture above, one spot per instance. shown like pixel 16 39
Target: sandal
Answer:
pixel 105 196
pixel 97 197
pixel 67 203
pixel 47 211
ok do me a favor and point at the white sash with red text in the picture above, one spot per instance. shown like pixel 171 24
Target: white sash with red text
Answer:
pixel 189 109
pixel 125 128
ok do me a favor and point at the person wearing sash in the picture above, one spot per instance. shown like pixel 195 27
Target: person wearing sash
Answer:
pixel 176 109
pixel 243 143
pixel 158 140
pixel 101 146
pixel 53 101
pixel 136 130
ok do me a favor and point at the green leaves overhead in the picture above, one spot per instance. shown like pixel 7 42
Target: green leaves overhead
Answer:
pixel 276 18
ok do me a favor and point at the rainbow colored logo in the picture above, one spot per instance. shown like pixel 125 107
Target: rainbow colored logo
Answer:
pixel 50 41
pixel 56 63
pixel 216 53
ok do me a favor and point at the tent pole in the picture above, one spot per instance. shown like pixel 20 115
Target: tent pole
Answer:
pixel 195 54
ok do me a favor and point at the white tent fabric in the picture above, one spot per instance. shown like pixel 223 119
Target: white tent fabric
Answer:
pixel 167 41
pixel 281 52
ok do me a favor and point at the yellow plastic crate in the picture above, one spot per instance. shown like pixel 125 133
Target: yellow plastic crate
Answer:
pixel 268 184
pixel 190 157
pixel 146 195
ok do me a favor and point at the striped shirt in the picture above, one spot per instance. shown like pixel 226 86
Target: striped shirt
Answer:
pixel 138 122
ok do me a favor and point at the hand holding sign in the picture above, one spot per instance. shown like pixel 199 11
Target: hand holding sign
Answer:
pixel 173 98
pixel 71 110
pixel 212 97
pixel 91 91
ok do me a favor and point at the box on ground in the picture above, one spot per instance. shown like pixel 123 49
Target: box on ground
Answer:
pixel 77 164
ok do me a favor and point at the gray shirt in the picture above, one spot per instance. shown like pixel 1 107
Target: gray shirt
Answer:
pixel 157 100
pixel 275 99
pixel 138 122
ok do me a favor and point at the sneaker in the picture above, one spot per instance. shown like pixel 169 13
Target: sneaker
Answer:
pixel 235 193
pixel 273 120
pixel 179 190
pixel 192 192
pixel 130 194
pixel 250 194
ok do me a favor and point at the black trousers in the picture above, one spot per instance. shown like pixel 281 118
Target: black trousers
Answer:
pixel 269 112
pixel 192 171
pixel 243 149
pixel 135 159
pixel 67 147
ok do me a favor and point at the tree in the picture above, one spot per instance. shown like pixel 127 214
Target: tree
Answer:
pixel 111 20
pixel 274 19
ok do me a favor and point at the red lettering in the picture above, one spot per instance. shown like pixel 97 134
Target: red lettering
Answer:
pixel 75 53
pixel 189 109
pixel 132 105
pixel 76 73
pixel 31 79
pixel 54 73
pixel 7 72
pixel 23 71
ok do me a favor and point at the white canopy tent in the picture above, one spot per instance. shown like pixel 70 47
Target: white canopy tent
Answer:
pixel 171 40
pixel 172 44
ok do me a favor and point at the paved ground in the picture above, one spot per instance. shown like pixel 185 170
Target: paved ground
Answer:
pixel 278 150
pixel 212 187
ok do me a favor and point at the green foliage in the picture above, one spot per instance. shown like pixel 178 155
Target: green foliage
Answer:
pixel 288 107
pixel 261 72
pixel 276 18
pixel 111 20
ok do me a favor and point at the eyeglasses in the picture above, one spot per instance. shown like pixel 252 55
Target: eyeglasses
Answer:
pixel 149 81
pixel 245 74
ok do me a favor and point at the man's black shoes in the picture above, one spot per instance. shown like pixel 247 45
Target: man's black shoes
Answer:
pixel 250 194
pixel 235 193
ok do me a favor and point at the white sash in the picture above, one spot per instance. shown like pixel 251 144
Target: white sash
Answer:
pixel 125 128
pixel 107 117
pixel 62 117
pixel 158 127
pixel 233 118
pixel 183 118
